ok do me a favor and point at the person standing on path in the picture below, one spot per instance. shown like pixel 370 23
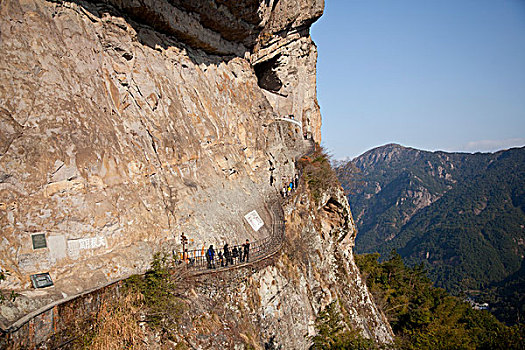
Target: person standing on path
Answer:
pixel 231 258
pixel 221 259
pixel 241 256
pixel 235 254
pixel 246 247
pixel 226 254
pixel 208 260
pixel 209 256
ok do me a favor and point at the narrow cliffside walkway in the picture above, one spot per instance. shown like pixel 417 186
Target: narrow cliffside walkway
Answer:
pixel 262 249
pixel 290 120
pixel 37 326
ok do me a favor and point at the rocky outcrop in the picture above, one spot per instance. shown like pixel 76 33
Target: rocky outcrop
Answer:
pixel 316 269
pixel 126 123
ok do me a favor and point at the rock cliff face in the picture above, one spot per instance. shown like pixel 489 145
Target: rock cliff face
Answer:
pixel 125 123
pixel 317 268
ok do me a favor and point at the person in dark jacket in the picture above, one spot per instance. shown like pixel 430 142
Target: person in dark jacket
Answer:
pixel 241 256
pixel 210 254
pixel 246 247
pixel 208 261
pixel 226 254
pixel 235 254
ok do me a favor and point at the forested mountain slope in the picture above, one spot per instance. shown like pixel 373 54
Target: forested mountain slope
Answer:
pixel 462 214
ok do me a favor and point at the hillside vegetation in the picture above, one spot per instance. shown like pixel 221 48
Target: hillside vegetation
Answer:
pixel 425 317
pixel 460 214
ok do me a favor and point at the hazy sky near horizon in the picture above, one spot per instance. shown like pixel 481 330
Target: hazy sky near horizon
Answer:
pixel 436 75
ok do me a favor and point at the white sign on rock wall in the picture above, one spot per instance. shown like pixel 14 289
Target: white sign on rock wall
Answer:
pixel 254 220
pixel 57 247
pixel 74 246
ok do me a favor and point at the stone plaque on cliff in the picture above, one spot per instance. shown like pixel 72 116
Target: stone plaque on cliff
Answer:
pixel 41 280
pixel 39 241
pixel 254 220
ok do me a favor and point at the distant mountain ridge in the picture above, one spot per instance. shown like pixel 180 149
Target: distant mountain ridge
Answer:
pixel 461 214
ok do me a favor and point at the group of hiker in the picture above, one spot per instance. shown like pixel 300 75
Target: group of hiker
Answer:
pixel 227 256
pixel 289 187
pixel 238 254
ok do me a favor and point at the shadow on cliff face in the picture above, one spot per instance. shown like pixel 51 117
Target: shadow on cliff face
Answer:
pixel 209 33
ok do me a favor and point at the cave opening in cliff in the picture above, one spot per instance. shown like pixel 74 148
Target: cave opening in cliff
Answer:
pixel 266 73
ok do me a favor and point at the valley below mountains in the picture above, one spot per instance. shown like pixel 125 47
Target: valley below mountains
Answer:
pixel 461 215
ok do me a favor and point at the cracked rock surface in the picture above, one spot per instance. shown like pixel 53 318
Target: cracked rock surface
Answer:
pixel 126 123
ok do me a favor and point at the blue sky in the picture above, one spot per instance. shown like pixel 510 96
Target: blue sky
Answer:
pixel 436 75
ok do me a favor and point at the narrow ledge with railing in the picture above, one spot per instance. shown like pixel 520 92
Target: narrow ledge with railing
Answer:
pixel 261 249
pixel 48 316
